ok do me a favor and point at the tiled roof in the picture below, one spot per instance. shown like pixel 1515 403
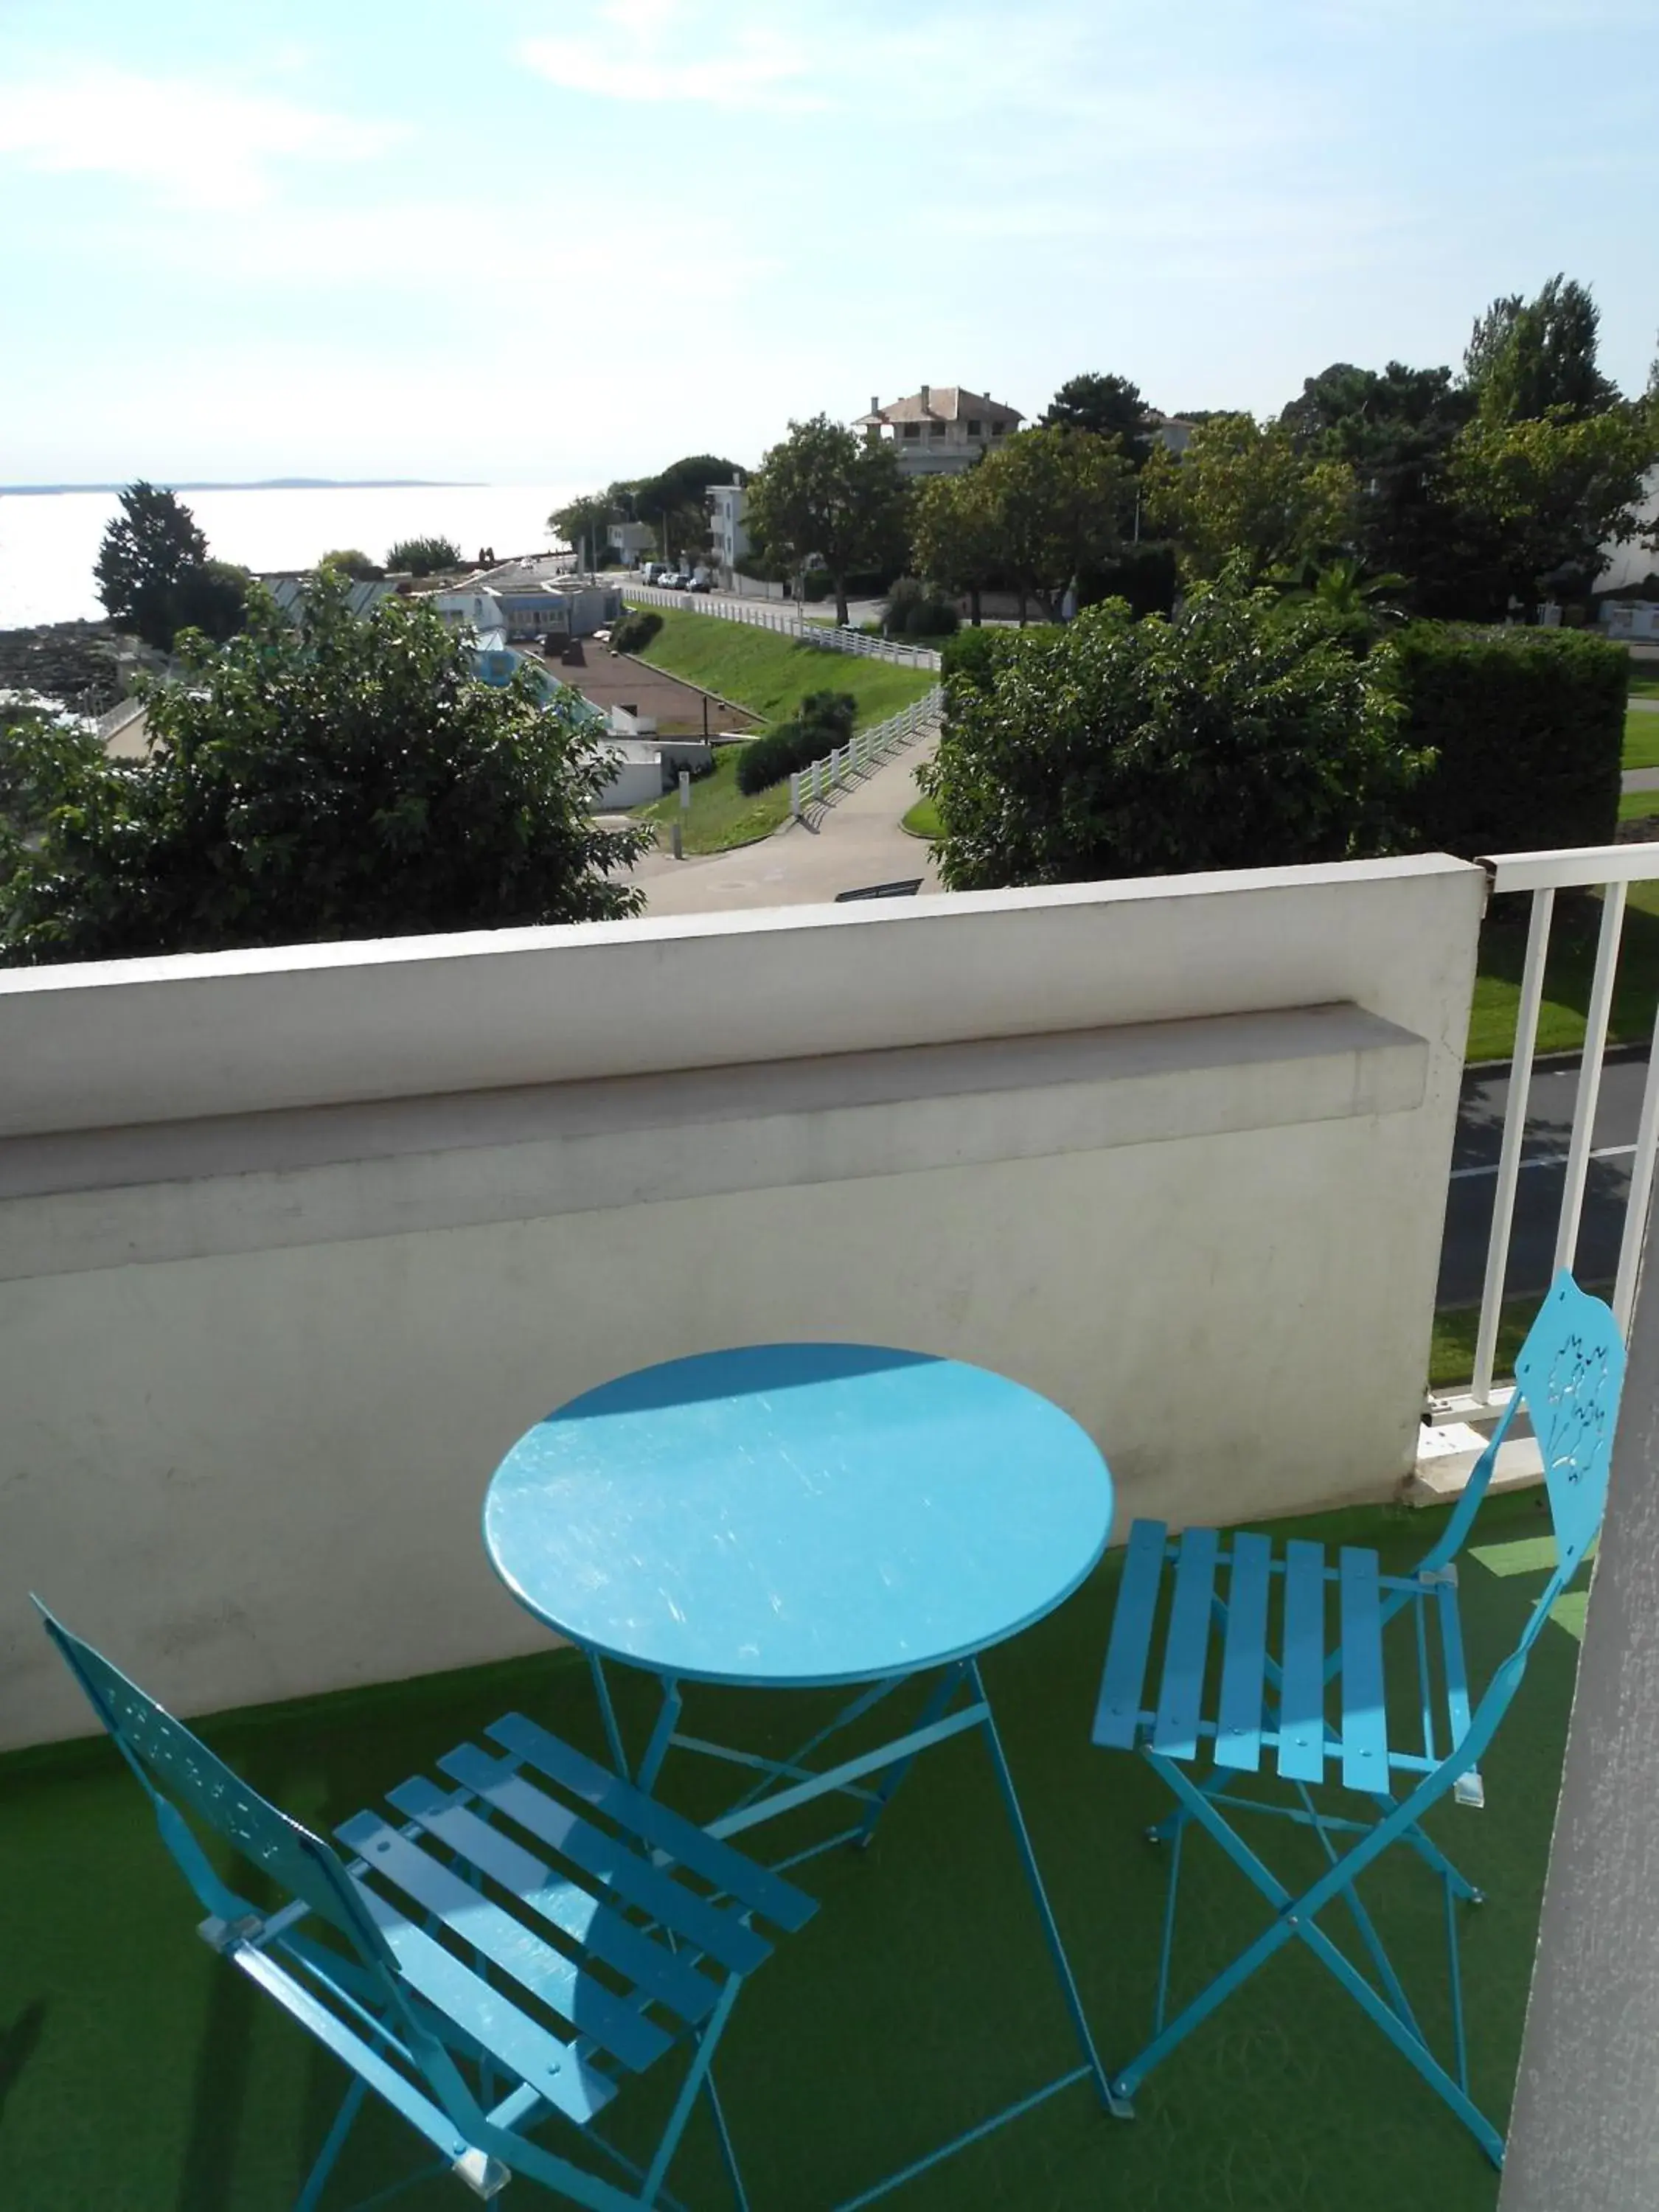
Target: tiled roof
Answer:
pixel 946 402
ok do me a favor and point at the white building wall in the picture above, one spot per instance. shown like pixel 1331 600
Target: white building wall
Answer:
pixel 375 1209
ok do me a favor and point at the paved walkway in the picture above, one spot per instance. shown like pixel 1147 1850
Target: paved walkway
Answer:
pixel 855 842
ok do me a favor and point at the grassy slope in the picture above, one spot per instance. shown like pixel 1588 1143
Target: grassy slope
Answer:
pixel 769 674
pixel 720 814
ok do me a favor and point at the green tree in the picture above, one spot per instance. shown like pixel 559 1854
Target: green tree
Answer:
pixel 1528 359
pixel 44 752
pixel 585 525
pixel 1060 498
pixel 956 534
pixel 148 551
pixel 422 556
pixel 352 561
pixel 824 490
pixel 1226 737
pixel 1393 426
pixel 676 499
pixel 347 778
pixel 1242 491
pixel 1111 407
pixel 213 599
pixel 1532 503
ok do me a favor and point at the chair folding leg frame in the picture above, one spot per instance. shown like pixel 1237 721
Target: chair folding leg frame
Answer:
pixel 1296 1920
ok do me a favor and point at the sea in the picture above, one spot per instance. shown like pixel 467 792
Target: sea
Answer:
pixel 49 540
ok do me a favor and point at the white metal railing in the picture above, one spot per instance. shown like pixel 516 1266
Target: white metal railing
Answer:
pixel 787 622
pixel 861 752
pixel 1611 869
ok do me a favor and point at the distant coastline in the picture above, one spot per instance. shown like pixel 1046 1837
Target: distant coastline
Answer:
pixel 261 484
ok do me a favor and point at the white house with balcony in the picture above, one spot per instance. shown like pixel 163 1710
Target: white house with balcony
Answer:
pixel 940 430
pixel 727 537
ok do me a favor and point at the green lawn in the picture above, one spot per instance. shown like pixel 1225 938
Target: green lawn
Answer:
pixel 769 674
pixel 922 820
pixel 1567 974
pixel 1451 1353
pixel 1572 946
pixel 720 814
pixel 1645 687
pixel 1640 738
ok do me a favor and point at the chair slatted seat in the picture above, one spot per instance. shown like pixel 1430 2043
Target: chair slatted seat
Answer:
pixel 1275 1663
pixel 490 1958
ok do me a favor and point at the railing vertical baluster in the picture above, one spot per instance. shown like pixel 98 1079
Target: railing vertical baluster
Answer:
pixel 1515 1130
pixel 1589 1073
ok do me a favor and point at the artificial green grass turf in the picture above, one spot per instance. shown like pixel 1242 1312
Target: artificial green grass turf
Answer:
pixel 140 2074
pixel 770 674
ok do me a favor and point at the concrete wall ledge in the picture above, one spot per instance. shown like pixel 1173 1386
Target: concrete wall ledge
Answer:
pixel 116 1042
pixel 86 1200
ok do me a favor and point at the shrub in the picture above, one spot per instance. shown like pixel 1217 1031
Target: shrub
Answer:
pixel 635 630
pixel 914 611
pixel 352 561
pixel 823 725
pixel 1527 727
pixel 817 584
pixel 1222 739
pixel 422 557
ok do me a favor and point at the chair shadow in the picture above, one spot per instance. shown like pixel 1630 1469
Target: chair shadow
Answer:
pixel 18 2044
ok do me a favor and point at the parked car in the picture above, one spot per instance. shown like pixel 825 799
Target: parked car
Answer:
pixel 698 583
pixel 672 581
pixel 652 572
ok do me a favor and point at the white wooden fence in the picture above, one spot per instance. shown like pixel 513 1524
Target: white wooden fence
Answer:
pixel 787 621
pixel 861 752
pixel 1611 869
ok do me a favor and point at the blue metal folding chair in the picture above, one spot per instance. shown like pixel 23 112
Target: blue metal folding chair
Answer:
pixel 1568 1375
pixel 482 1991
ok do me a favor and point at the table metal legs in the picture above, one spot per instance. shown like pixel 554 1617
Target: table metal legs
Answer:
pixel 783 1785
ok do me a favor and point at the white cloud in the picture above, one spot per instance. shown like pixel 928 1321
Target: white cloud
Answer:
pixel 196 143
pixel 655 50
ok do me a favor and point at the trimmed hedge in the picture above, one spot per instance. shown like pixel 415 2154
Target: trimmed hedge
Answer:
pixel 1528 729
pixel 824 724
pixel 635 630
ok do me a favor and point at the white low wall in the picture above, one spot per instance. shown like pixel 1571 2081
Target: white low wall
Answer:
pixel 294 1244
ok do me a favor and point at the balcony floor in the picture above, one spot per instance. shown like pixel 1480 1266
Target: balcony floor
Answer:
pixel 139 2075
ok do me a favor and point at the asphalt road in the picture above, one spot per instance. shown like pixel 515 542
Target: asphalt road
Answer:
pixel 1538 1196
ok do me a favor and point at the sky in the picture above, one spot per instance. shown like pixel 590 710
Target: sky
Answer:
pixel 563 243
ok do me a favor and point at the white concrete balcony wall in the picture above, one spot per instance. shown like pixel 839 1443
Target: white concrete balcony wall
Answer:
pixel 294 1244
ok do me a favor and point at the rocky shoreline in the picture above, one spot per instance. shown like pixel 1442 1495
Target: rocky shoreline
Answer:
pixel 85 666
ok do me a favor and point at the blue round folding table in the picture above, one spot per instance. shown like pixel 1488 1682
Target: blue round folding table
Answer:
pixel 804 1516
